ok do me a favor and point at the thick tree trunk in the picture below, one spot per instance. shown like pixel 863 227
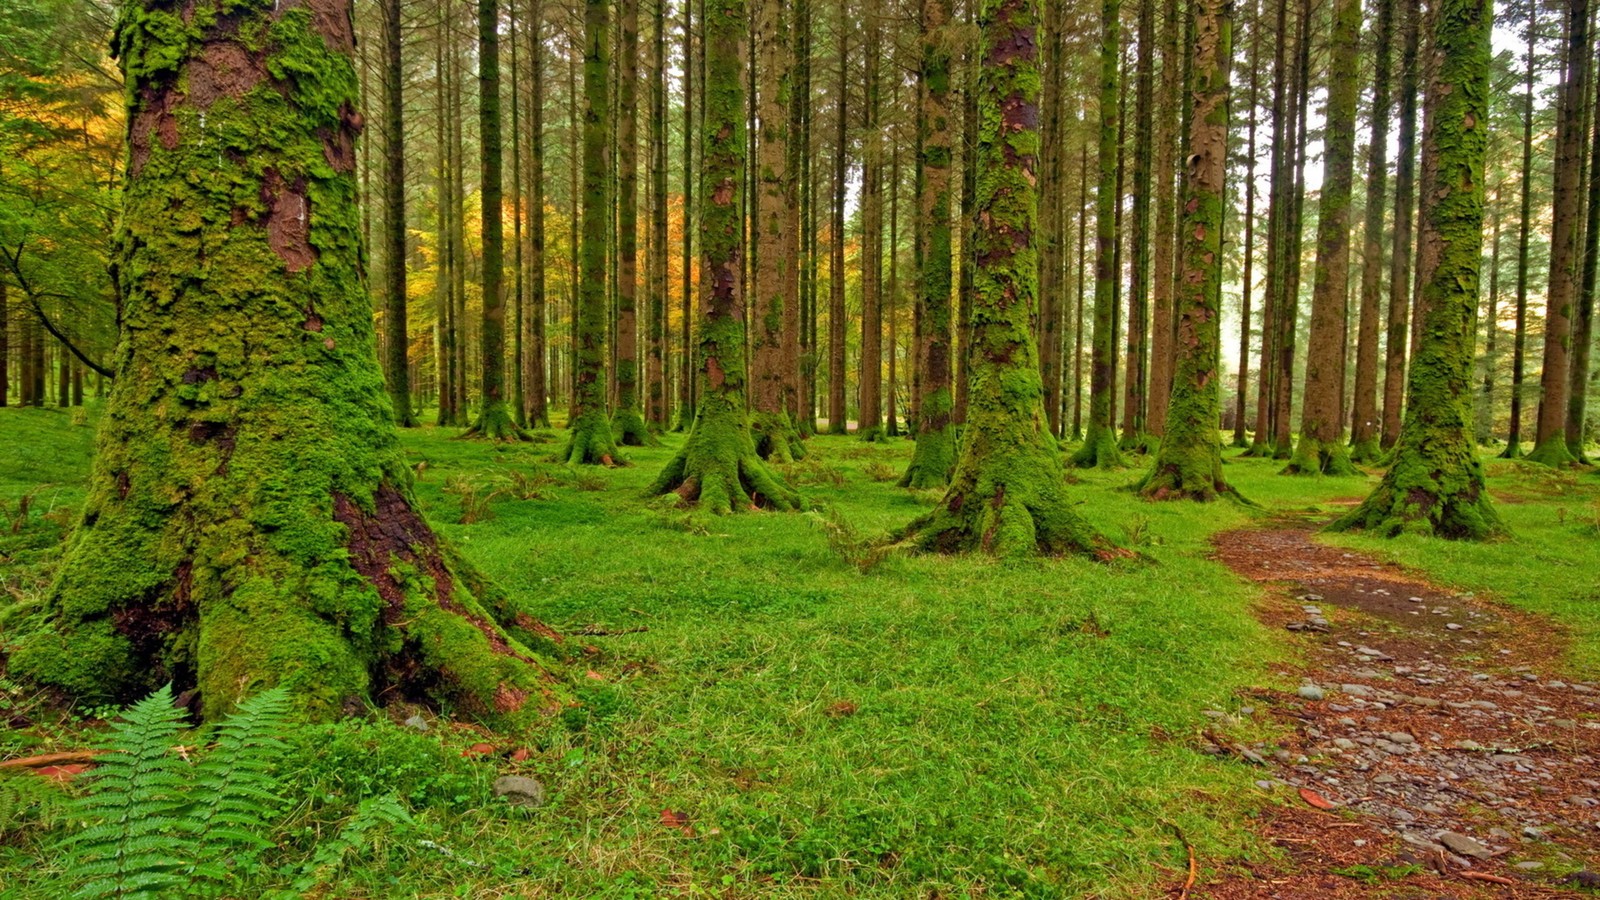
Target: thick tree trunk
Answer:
pixel 1566 248
pixel 1364 443
pixel 1100 444
pixel 718 466
pixel 1005 496
pixel 1051 199
pixel 250 519
pixel 770 359
pixel 590 440
pixel 396 334
pixel 934 456
pixel 1436 484
pixel 1322 448
pixel 1398 331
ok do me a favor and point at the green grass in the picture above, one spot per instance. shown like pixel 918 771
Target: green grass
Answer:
pixel 935 726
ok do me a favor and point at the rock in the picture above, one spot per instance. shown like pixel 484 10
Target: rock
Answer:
pixel 1530 865
pixel 1400 737
pixel 519 790
pixel 1462 845
pixel 1557 685
pixel 1310 692
pixel 1372 653
pixel 1452 626
pixel 1582 802
pixel 417 722
pixel 1344 743
pixel 1358 690
pixel 1467 745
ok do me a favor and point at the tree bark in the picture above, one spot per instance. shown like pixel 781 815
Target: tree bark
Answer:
pixel 656 358
pixel 1247 282
pixel 1006 496
pixel 396 335
pixel 1364 430
pixel 836 313
pixel 1394 377
pixel 1436 484
pixel 536 363
pixel 1134 394
pixel 869 411
pixel 250 520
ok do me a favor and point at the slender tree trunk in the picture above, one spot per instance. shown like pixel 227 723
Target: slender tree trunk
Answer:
pixel 836 314
pixel 718 466
pixel 1081 267
pixel 1484 420
pixel 1006 496
pixel 396 334
pixel 805 402
pixel 1435 485
pixel 1247 282
pixel 536 363
pixel 1293 226
pixel 1134 394
pixel 1100 444
pixel 686 361
pixel 590 439
pixel 268 510
pixel 656 374
pixel 934 456
pixel 1051 198
pixel 869 413
pixel 1583 337
pixel 969 222
pixel 1364 443
pixel 5 345
pixel 1272 302
pixel 892 283
pixel 1163 321
pixel 628 425
pixel 1322 448
pixel 519 385
pixel 458 238
pixel 1189 460
pixel 1394 377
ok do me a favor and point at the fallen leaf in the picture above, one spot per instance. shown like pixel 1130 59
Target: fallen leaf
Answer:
pixel 478 750
pixel 679 820
pixel 521 754
pixel 1316 799
pixel 62 773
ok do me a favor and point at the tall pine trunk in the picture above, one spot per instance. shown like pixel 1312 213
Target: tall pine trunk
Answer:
pixel 1398 329
pixel 836 314
pixel 396 334
pixel 1364 444
pixel 628 426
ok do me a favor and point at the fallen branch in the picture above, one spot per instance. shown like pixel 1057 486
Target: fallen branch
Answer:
pixel 1485 876
pixel 70 757
pixel 1194 869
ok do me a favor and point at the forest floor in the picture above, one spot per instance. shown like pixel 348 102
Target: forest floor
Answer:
pixel 771 708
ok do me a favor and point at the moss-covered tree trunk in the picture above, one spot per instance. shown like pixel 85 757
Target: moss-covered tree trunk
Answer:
pixel 1519 335
pixel 1286 317
pixel 535 363
pixel 718 466
pixel 869 410
pixel 770 359
pixel 495 418
pixel 1188 463
pixel 590 439
pixel 628 425
pixel 1435 485
pixel 1006 495
pixel 1135 370
pixel 1322 449
pixel 250 520
pixel 1583 327
pixel 837 412
pixel 685 417
pixel 935 452
pixel 395 333
pixel 656 289
pixel 1164 264
pixel 1566 247
pixel 1405 228
pixel 1247 276
pixel 1100 443
pixel 1364 413
pixel 1267 371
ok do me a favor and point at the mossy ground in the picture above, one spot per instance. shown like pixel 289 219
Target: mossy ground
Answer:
pixel 952 725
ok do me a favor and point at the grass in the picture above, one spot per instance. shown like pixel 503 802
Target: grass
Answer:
pixel 764 719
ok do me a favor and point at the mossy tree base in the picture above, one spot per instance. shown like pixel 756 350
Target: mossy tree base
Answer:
pixel 719 469
pixel 876 434
pixel 590 442
pixel 776 439
pixel 932 460
pixel 628 429
pixel 1366 452
pixel 1314 457
pixel 495 423
pixel 1421 496
pixel 1552 452
pixel 1099 450
pixel 1513 450
pixel 249 519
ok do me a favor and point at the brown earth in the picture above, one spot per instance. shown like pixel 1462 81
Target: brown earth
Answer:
pixel 1453 759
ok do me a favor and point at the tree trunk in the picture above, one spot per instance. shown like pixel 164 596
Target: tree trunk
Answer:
pixel 1100 444
pixel 536 363
pixel 1247 281
pixel 656 358
pixel 1051 199
pixel 1566 250
pixel 1484 420
pixel 1272 302
pixel 836 314
pixel 249 519
pixel 869 412
pixel 627 424
pixel 718 466
pixel 1188 463
pixel 1322 447
pixel 934 456
pixel 1583 332
pixel 686 360
pixel 590 440
pixel 1287 316
pixel 1082 281
pixel 396 335
pixel 5 345
pixel 1394 377
pixel 1163 263
pixel 1133 396
pixel 1364 444
pixel 1436 484
pixel 770 425
pixel 969 221
pixel 1005 496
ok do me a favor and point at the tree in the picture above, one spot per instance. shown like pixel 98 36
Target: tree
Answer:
pixel 836 316
pixel 656 360
pixel 718 466
pixel 869 411
pixel 935 452
pixel 1364 446
pixel 1134 384
pixel 1005 495
pixel 1322 448
pixel 1247 278
pixel 1188 463
pixel 1405 227
pixel 685 419
pixel 590 440
pixel 1519 335
pixel 628 423
pixel 536 363
pixel 1566 246
pixel 394 219
pixel 1436 484
pixel 771 362
pixel 1100 443
pixel 250 519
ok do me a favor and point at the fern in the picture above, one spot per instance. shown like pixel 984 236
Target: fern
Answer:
pixel 28 802
pixel 373 816
pixel 160 828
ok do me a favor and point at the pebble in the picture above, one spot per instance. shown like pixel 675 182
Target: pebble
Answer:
pixel 519 790
pixel 1400 737
pixel 1358 690
pixel 1310 692
pixel 1344 743
pixel 1452 626
pixel 1530 865
pixel 1462 845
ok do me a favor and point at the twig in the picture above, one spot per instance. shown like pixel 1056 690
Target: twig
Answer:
pixel 1194 869
pixel 597 630
pixel 70 757
pixel 1485 876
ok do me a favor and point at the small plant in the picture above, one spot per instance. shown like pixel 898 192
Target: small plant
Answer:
pixel 849 544
pixel 473 499
pixel 19 519
pixel 810 471
pixel 880 471
pixel 589 481
pixel 160 827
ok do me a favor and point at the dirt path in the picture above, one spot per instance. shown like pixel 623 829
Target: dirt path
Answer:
pixel 1453 762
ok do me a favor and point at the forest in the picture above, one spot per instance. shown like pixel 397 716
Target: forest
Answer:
pixel 830 448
